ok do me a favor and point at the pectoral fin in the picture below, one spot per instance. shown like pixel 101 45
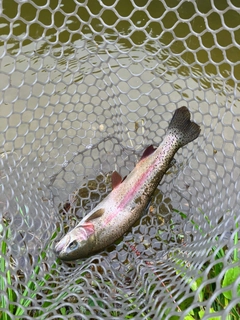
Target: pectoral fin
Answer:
pixel 96 214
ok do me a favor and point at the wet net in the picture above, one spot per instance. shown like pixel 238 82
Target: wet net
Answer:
pixel 85 87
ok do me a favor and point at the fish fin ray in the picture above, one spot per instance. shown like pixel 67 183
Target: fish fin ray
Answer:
pixel 182 127
pixel 148 151
pixel 95 215
pixel 116 179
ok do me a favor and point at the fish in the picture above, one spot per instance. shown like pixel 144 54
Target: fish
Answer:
pixel 124 205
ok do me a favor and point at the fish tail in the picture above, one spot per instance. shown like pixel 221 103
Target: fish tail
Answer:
pixel 182 127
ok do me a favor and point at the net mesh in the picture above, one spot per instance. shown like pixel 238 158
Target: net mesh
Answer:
pixel 85 87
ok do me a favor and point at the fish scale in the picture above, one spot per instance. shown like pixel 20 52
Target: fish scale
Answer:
pixel 112 217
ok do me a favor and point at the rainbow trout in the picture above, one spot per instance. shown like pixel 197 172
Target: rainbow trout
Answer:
pixel 113 216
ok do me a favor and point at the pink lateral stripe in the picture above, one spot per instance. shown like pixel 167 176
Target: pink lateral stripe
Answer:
pixel 131 194
pixel 128 197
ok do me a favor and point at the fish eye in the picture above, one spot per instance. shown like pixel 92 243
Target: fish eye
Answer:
pixel 73 245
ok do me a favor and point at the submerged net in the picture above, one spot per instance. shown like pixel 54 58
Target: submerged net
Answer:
pixel 85 87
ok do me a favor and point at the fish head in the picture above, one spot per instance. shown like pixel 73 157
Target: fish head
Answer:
pixel 77 243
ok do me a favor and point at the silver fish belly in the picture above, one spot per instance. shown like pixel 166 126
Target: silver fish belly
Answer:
pixel 112 217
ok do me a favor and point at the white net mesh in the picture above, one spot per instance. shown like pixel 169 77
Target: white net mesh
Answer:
pixel 85 86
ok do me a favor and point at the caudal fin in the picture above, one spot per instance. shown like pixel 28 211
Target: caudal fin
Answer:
pixel 182 127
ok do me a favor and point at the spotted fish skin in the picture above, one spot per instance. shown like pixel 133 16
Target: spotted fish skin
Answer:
pixel 112 217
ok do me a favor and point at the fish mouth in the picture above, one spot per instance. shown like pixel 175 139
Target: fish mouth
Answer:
pixel 67 249
pixel 73 241
pixel 58 248
pixel 61 246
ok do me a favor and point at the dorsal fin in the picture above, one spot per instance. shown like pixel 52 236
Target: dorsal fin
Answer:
pixel 96 214
pixel 149 150
pixel 116 179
